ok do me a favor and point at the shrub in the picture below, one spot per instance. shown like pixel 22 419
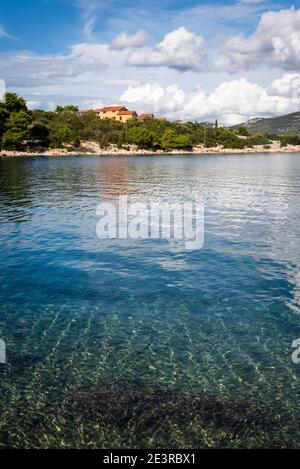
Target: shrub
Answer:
pixel 289 140
pixel 16 131
pixel 171 139
pixel 141 137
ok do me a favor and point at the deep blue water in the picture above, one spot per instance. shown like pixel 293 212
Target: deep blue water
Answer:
pixel 119 343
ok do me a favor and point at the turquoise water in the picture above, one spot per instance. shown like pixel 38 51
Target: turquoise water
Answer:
pixel 116 344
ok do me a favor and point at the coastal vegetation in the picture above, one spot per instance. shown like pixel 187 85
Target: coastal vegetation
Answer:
pixel 22 129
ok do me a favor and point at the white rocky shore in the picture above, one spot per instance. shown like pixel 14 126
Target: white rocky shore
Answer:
pixel 92 148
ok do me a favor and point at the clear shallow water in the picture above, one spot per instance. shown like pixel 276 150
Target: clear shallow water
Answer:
pixel 146 344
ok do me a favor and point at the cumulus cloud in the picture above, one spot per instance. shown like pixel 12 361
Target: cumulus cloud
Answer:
pixel 181 50
pixel 125 40
pixel 155 98
pixel 287 86
pixel 97 71
pixel 231 102
pixel 276 43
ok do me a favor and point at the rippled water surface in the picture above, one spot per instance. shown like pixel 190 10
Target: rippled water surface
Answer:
pixel 143 343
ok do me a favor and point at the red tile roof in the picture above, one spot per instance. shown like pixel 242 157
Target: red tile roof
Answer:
pixel 147 116
pixel 112 108
pixel 127 113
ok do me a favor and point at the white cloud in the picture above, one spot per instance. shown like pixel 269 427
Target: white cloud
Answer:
pixel 155 98
pixel 275 43
pixel 95 72
pixel 181 50
pixel 125 40
pixel 90 104
pixel 287 86
pixel 97 54
pixel 34 104
pixel 231 102
pixel 89 9
pixel 28 68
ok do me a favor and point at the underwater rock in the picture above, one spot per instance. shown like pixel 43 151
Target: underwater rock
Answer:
pixel 146 407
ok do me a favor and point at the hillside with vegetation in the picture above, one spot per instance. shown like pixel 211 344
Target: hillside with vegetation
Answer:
pixel 25 130
pixel 288 124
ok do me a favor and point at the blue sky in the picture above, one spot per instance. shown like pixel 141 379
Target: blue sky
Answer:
pixel 53 25
pixel 162 55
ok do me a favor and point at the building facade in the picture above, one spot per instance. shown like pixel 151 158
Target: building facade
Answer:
pixel 110 112
pixel 124 116
pixel 119 113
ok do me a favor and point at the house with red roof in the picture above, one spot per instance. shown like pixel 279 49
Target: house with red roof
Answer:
pixel 146 116
pixel 124 116
pixel 110 112
pixel 119 113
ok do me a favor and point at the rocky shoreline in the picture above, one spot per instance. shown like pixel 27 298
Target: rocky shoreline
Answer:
pixel 92 148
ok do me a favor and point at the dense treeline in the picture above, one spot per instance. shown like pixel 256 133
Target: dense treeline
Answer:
pixel 23 129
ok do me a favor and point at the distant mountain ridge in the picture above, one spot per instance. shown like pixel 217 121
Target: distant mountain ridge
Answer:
pixel 288 124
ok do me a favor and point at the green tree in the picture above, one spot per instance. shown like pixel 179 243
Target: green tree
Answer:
pixel 258 138
pixel 121 141
pixel 171 139
pixel 104 142
pixel 68 108
pixel 141 137
pixel 289 140
pixel 90 126
pixel 16 131
pixel 39 135
pixel 243 131
pixel 65 128
pixel 12 104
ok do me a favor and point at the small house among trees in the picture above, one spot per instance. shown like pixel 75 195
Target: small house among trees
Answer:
pixel 120 113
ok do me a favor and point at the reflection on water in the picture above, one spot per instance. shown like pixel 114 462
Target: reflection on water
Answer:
pixel 145 344
pixel 113 179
